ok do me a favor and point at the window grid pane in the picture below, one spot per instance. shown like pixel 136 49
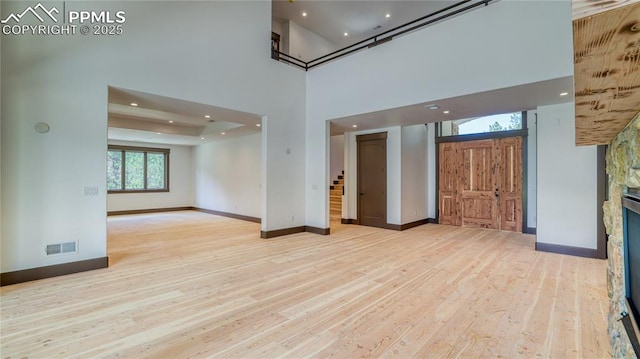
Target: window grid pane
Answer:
pixel 114 170
pixel 155 170
pixel 134 170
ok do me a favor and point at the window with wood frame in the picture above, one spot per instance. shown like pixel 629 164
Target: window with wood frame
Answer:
pixel 137 169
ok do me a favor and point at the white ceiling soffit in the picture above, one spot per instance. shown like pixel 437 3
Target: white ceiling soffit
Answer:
pixel 132 135
pixel 584 8
pixel 506 100
pixel 143 117
pixel 153 126
pixel 147 114
pixel 359 18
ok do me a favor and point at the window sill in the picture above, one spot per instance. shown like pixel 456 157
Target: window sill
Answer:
pixel 139 191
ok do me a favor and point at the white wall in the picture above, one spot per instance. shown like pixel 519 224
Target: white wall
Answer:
pixel 306 45
pixel 284 38
pixel 414 173
pixel 276 26
pixel 567 207
pixel 181 193
pixel 228 175
pixel 64 80
pixel 336 162
pixel 430 68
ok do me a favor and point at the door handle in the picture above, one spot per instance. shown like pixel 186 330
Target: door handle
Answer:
pixel 497 193
pixel 362 193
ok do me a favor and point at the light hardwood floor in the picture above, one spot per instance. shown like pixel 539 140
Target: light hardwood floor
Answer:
pixel 188 284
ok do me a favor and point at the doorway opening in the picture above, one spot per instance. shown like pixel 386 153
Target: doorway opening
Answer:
pixel 166 155
pixel 481 183
pixel 481 172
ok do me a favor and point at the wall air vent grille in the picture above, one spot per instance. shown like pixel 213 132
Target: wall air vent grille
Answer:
pixel 54 249
pixel 60 248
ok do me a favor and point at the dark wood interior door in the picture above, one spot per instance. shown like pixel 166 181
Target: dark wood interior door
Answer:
pixel 372 179
pixel 480 183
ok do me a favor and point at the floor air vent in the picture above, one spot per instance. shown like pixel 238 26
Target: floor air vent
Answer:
pixel 60 248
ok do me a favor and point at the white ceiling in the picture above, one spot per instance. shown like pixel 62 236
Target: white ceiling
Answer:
pixel 160 119
pixel 365 18
pixel 359 18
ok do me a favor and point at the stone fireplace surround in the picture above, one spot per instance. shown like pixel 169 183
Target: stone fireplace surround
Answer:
pixel 623 170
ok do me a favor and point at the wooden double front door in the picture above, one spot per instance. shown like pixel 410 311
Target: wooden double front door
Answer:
pixel 480 183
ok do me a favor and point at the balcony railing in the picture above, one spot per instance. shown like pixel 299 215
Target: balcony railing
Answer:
pixel 429 19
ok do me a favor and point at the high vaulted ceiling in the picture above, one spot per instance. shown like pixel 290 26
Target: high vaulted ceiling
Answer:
pixel 359 18
pixel 606 73
pixel 365 18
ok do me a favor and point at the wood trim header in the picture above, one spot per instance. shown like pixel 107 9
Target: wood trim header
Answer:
pixel 372 136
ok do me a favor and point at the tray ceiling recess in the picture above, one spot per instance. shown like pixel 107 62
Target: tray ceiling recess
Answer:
pixel 142 117
pixel 606 73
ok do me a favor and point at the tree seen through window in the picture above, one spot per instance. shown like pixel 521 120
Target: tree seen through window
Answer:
pixel 137 169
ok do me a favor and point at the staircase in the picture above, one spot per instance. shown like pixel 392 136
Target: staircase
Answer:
pixel 335 198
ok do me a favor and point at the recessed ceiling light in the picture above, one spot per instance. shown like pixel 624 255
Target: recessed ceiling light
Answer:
pixel 223 133
pixel 564 93
pixel 202 138
pixel 432 107
pixel 170 121
pixel 158 133
pixel 207 116
pixel 346 34
pixel 134 104
pixel 354 126
pixel 445 112
pixel 304 14
pixel 387 15
pixel 258 125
